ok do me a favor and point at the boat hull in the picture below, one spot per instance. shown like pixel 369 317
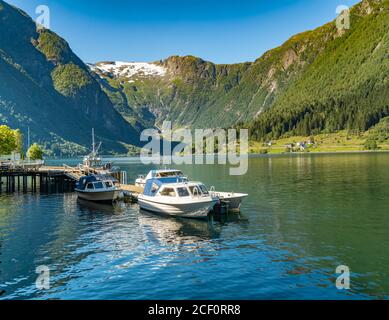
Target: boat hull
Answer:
pixel 234 200
pixel 193 210
pixel 101 196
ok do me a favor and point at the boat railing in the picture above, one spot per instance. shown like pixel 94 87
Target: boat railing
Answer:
pixel 196 192
pixel 212 191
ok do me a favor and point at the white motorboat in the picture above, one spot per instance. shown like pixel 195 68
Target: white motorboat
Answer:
pixel 156 174
pixel 232 199
pixel 98 188
pixel 176 197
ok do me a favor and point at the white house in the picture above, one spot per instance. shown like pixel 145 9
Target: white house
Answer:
pixel 14 156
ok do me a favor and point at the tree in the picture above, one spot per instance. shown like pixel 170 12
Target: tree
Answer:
pixel 19 141
pixel 8 142
pixel 371 144
pixel 35 152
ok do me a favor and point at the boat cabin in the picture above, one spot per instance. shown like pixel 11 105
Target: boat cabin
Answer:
pixel 174 187
pixel 92 162
pixel 96 182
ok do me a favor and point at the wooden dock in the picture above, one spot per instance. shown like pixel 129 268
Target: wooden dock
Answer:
pixel 131 188
pixel 50 179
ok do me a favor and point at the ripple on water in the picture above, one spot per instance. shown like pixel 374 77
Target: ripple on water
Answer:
pixel 304 217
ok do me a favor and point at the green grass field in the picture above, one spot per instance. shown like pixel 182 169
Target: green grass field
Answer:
pixel 332 142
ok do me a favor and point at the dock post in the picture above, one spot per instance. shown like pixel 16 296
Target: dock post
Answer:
pixel 56 184
pixel 24 183
pixel 123 177
pixel 62 187
pixel 43 184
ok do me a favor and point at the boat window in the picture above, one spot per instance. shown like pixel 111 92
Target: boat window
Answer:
pixel 99 185
pixel 89 186
pixel 204 189
pixel 154 188
pixel 168 192
pixel 195 190
pixel 108 184
pixel 183 192
pixel 169 174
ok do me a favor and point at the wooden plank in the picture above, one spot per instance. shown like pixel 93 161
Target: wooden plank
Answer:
pixel 131 188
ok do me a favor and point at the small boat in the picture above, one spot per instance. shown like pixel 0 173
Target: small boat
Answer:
pixel 93 162
pixel 99 188
pixel 164 173
pixel 232 199
pixel 177 197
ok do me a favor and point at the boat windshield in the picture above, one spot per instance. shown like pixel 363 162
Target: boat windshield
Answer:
pixel 204 189
pixel 195 190
pixel 108 184
pixel 168 192
pixel 99 185
pixel 169 174
pixel 154 188
pixel 198 190
pixel 183 192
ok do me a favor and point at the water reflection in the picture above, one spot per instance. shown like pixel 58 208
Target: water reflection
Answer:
pixel 304 217
pixel 91 207
pixel 170 230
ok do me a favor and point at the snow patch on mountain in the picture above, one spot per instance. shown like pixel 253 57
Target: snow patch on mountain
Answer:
pixel 119 69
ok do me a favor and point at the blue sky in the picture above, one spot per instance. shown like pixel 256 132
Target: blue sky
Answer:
pixel 227 31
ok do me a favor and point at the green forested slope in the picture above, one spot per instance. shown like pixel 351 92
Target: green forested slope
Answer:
pixel 45 86
pixel 324 79
pixel 346 87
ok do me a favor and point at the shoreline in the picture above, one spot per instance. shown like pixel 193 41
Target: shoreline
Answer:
pixel 319 153
pixel 107 157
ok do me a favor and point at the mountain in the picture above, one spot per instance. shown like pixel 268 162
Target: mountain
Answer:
pixel 45 86
pixel 320 80
pixel 345 87
pixel 179 89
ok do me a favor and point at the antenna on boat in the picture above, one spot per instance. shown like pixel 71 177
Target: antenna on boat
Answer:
pixel 98 148
pixel 93 140
pixel 95 149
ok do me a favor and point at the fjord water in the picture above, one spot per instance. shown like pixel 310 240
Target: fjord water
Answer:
pixel 305 216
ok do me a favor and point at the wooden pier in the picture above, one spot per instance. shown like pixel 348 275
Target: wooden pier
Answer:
pixel 45 179
pixel 50 179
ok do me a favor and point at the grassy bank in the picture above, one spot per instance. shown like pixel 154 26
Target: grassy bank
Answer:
pixel 332 142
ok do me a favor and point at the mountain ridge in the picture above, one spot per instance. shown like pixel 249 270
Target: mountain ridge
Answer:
pixel 197 93
pixel 319 80
pixel 48 88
